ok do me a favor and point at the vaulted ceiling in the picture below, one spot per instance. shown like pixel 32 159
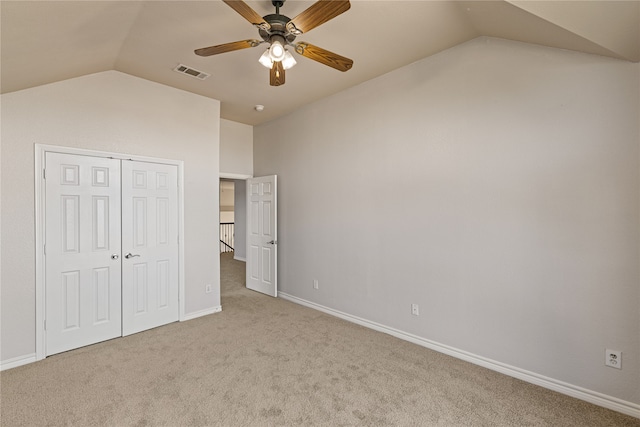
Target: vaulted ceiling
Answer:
pixel 48 41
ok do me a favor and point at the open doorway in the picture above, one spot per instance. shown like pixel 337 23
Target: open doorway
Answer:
pixel 254 238
pixel 227 216
pixel 233 220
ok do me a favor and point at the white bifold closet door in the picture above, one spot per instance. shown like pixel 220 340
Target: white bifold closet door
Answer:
pixel 82 252
pixel 97 210
pixel 149 245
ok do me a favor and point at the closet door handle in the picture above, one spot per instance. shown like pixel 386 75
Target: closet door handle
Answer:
pixel 130 255
pixel 115 256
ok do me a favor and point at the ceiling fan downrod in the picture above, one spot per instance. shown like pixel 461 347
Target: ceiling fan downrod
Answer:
pixel 277 4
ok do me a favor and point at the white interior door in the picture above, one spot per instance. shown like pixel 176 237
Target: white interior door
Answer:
pixel 82 249
pixel 262 235
pixel 149 245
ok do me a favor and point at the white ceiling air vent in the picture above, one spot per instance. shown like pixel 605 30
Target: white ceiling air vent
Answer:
pixel 191 72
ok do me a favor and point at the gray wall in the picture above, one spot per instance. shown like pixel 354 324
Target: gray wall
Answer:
pixel 496 185
pixel 112 112
pixel 236 148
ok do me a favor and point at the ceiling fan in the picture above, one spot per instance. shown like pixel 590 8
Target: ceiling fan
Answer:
pixel 280 31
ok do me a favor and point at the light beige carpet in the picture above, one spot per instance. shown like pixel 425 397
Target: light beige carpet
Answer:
pixel 269 362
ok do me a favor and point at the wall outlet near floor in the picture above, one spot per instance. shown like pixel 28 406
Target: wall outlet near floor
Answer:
pixel 208 289
pixel 415 310
pixel 613 358
pixel 315 283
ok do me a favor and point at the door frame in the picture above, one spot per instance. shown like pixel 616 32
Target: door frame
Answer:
pixel 40 151
pixel 234 177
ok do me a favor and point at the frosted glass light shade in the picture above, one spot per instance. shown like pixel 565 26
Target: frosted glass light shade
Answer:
pixel 277 50
pixel 289 61
pixel 266 60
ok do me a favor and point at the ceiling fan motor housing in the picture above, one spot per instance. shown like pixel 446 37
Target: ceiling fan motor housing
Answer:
pixel 278 25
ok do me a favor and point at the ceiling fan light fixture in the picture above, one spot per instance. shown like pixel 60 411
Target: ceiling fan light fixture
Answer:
pixel 277 50
pixel 266 60
pixel 279 31
pixel 288 61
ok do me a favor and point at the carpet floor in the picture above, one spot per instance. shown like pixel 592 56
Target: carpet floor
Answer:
pixel 264 361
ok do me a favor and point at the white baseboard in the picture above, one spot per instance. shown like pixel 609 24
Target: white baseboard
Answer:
pixel 237 258
pixel 590 396
pixel 30 358
pixel 17 361
pixel 201 313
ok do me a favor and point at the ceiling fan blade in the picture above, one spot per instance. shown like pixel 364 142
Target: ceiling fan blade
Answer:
pixel 276 75
pixel 323 56
pixel 227 47
pixel 247 13
pixel 317 14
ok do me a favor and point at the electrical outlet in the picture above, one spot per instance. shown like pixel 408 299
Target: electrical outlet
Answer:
pixel 613 358
pixel 315 283
pixel 415 310
pixel 208 289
